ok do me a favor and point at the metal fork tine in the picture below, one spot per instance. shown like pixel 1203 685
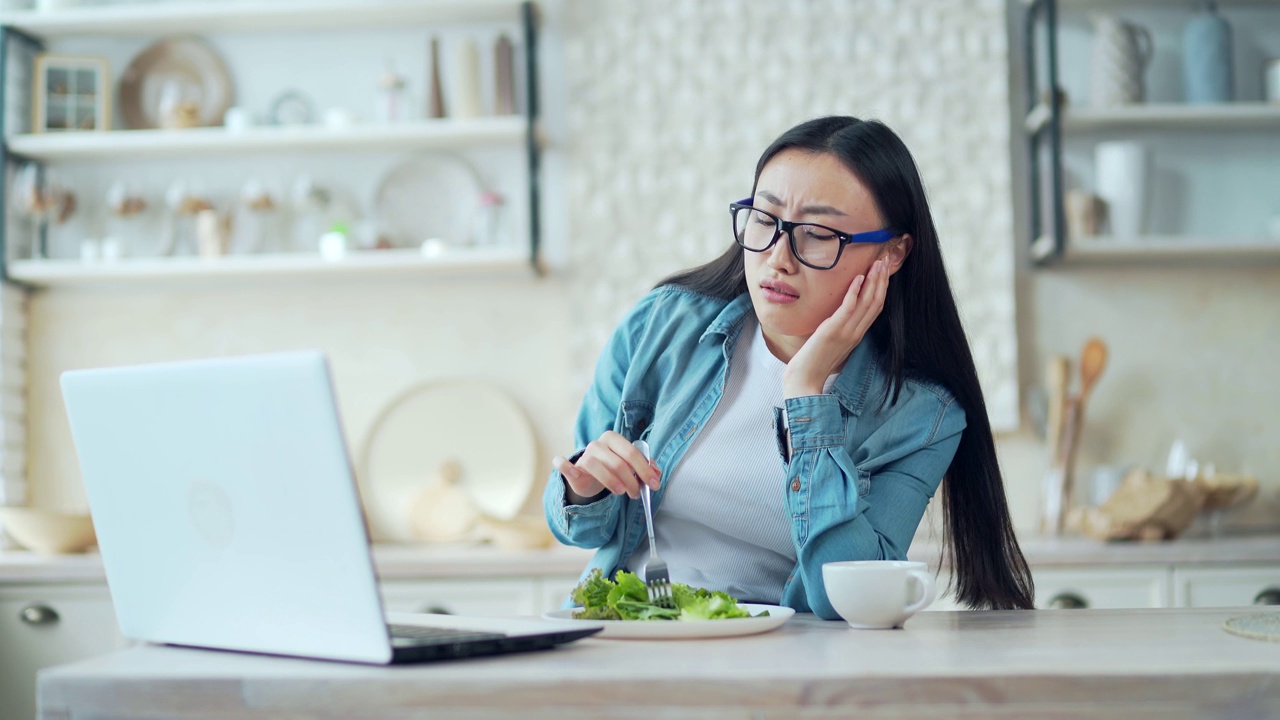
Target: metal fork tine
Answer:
pixel 657 579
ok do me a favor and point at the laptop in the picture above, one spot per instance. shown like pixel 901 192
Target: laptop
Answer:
pixel 228 517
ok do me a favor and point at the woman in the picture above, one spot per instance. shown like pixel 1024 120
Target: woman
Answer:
pixel 804 395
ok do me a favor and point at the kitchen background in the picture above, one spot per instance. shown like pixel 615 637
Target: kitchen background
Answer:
pixel 654 116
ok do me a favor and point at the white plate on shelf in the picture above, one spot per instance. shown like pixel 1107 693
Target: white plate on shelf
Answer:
pixel 470 422
pixel 685 629
pixel 187 64
pixel 433 196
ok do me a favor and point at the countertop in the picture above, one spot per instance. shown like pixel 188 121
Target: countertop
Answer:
pixel 1066 664
pixel 393 562
pixel 423 562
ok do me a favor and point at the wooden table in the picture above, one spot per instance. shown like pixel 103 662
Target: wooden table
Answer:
pixel 1121 664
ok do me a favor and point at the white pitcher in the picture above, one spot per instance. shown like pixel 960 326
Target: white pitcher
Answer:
pixel 1121 52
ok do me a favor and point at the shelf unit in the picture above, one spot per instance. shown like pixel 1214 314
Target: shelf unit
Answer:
pixel 71 273
pixel 422 135
pixel 1236 116
pixel 146 19
pixel 34 28
pixel 1157 249
pixel 1048 118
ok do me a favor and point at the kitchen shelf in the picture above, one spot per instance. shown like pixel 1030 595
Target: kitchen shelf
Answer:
pixel 1180 5
pixel 123 144
pixel 1227 116
pixel 155 18
pixel 129 271
pixel 1183 129
pixel 1161 249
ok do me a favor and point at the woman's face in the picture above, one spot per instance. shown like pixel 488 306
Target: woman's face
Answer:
pixel 792 299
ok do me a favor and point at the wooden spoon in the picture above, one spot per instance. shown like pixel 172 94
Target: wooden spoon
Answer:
pixel 1092 362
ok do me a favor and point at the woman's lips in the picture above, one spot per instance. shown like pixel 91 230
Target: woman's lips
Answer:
pixel 778 292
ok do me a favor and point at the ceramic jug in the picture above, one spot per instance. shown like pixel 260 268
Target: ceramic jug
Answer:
pixel 1121 51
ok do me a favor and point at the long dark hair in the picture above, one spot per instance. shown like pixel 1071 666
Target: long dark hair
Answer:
pixel 918 334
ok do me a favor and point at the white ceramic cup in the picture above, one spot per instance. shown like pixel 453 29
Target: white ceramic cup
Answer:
pixel 1121 170
pixel 878 594
pixel 1271 80
pixel 237 119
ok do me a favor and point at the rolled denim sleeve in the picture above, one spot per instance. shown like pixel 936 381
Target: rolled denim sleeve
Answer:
pixel 591 525
pixel 869 510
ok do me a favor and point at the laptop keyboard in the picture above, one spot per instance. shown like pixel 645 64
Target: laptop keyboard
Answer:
pixel 420 635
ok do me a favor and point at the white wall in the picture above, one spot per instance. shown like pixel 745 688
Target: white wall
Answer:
pixel 382 337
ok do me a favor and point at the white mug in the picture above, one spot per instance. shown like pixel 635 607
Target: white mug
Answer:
pixel 878 594
pixel 237 119
pixel 1271 80
pixel 1121 171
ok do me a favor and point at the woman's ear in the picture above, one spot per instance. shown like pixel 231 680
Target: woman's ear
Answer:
pixel 897 252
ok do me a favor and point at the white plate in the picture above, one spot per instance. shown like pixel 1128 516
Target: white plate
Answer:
pixel 431 196
pixel 185 62
pixel 470 422
pixel 685 629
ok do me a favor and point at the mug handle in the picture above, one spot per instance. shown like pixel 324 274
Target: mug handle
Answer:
pixel 925 580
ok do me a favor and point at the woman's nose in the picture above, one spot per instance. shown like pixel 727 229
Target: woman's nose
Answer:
pixel 780 255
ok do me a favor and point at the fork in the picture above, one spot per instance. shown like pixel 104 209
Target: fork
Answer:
pixel 656 577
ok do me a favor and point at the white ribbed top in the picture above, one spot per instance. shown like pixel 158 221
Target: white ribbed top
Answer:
pixel 723 523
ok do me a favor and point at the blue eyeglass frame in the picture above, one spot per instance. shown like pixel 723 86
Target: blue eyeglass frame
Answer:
pixel 786 226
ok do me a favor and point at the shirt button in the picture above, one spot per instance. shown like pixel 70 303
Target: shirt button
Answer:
pixel 795 485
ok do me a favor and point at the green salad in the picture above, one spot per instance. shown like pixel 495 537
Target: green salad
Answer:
pixel 628 599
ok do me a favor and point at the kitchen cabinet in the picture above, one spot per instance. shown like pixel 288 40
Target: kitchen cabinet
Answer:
pixel 48 624
pixel 271 50
pixel 1208 169
pixel 490 598
pixel 1110 588
pixel 1218 587
pixel 1145 586
pixel 44 625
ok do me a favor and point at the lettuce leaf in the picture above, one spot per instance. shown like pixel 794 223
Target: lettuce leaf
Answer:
pixel 628 599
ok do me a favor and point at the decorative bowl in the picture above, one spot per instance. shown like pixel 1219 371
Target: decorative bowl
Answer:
pixel 48 532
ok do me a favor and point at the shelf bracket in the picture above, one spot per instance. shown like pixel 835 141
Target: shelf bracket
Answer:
pixel 8 36
pixel 529 18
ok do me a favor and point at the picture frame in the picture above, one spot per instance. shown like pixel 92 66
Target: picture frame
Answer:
pixel 72 93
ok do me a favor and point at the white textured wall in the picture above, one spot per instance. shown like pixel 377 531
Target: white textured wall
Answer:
pixel 671 104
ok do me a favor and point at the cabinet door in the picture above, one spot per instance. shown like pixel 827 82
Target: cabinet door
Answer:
pixel 492 598
pixel 1227 586
pixel 45 625
pixel 1128 587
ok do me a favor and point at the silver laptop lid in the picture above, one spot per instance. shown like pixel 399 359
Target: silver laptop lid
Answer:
pixel 225 507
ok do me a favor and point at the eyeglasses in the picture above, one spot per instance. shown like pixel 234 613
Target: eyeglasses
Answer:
pixel 816 246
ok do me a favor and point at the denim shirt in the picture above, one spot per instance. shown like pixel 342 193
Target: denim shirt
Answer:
pixel 859 475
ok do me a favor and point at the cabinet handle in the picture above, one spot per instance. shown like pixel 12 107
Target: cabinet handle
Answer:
pixel 437 609
pixel 1270 596
pixel 1067 601
pixel 38 615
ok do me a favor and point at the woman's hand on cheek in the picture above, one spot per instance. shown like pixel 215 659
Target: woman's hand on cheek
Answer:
pixel 826 350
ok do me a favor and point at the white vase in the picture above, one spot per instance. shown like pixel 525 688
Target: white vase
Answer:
pixel 1121 173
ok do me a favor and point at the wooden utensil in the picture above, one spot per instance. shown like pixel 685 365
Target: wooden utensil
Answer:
pixel 1092 362
pixel 1059 481
pixel 1057 374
